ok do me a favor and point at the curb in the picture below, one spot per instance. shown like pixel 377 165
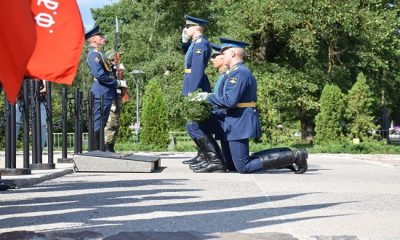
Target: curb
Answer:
pixel 27 182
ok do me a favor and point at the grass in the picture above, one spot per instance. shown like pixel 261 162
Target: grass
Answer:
pixel 373 147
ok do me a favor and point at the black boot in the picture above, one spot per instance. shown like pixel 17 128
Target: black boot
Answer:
pixel 197 158
pixel 212 154
pixel 109 147
pixel 301 161
pixel 284 159
pixel 274 150
pixel 198 165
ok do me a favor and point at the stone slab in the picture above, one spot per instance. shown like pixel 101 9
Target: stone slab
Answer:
pixel 98 161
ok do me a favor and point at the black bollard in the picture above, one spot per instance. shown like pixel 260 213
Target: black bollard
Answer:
pixel 90 121
pixel 49 119
pixel 64 158
pixel 39 165
pixel 13 140
pixel 101 140
pixel 25 114
pixel 76 120
pixel 80 122
pixel 11 157
pixel 8 133
pixel 33 120
pixel 38 122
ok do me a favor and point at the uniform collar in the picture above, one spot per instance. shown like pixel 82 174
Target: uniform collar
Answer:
pixel 95 48
pixel 197 38
pixel 234 67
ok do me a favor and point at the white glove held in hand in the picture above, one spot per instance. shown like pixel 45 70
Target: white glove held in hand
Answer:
pixel 185 36
pixel 122 83
pixel 199 96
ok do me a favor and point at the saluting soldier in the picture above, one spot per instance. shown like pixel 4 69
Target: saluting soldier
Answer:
pixel 104 83
pixel 196 57
pixel 239 97
pixel 197 54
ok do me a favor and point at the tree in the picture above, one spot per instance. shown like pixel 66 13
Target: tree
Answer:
pixel 296 47
pixel 329 121
pixel 360 109
pixel 154 120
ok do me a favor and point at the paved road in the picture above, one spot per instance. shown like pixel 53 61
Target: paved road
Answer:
pixel 340 197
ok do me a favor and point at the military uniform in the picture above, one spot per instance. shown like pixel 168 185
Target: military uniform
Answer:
pixel 104 84
pixel 196 60
pixel 238 94
pixel 202 134
pixel 241 122
pixel 113 122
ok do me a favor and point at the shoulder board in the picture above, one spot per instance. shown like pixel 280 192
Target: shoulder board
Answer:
pixel 198 40
pixel 92 52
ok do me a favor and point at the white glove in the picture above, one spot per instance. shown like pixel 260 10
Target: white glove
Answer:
pixel 199 97
pixel 185 36
pixel 113 108
pixel 122 83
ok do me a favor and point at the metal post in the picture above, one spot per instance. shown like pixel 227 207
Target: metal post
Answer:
pixel 33 121
pixel 101 140
pixel 39 165
pixel 136 79
pixel 8 135
pixel 25 115
pixel 49 114
pixel 137 110
pixel 38 123
pixel 13 140
pixel 64 158
pixel 80 122
pixel 90 120
pixel 11 157
pixel 76 120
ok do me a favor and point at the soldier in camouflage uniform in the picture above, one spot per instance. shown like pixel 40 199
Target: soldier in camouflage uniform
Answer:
pixel 113 122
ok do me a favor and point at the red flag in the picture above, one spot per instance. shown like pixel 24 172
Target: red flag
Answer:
pixel 17 42
pixel 60 37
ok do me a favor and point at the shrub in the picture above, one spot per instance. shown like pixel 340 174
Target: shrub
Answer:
pixel 360 110
pixel 154 122
pixel 329 121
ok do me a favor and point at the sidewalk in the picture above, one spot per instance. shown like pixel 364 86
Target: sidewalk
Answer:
pixel 341 197
pixel 37 176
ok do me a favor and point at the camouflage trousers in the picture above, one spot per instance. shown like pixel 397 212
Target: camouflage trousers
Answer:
pixel 113 122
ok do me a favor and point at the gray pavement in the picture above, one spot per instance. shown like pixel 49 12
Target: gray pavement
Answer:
pixel 341 197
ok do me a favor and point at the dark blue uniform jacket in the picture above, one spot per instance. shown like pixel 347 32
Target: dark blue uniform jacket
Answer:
pixel 239 86
pixel 196 59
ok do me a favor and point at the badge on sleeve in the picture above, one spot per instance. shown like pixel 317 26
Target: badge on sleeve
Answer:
pixel 96 59
pixel 198 51
pixel 233 80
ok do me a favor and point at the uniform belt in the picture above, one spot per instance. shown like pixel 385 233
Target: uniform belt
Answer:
pixel 246 104
pixel 188 70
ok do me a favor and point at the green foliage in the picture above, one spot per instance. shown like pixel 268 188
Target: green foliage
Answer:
pixel 297 47
pixel 330 120
pixel 360 109
pixel 154 120
pixel 368 147
pixel 196 110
